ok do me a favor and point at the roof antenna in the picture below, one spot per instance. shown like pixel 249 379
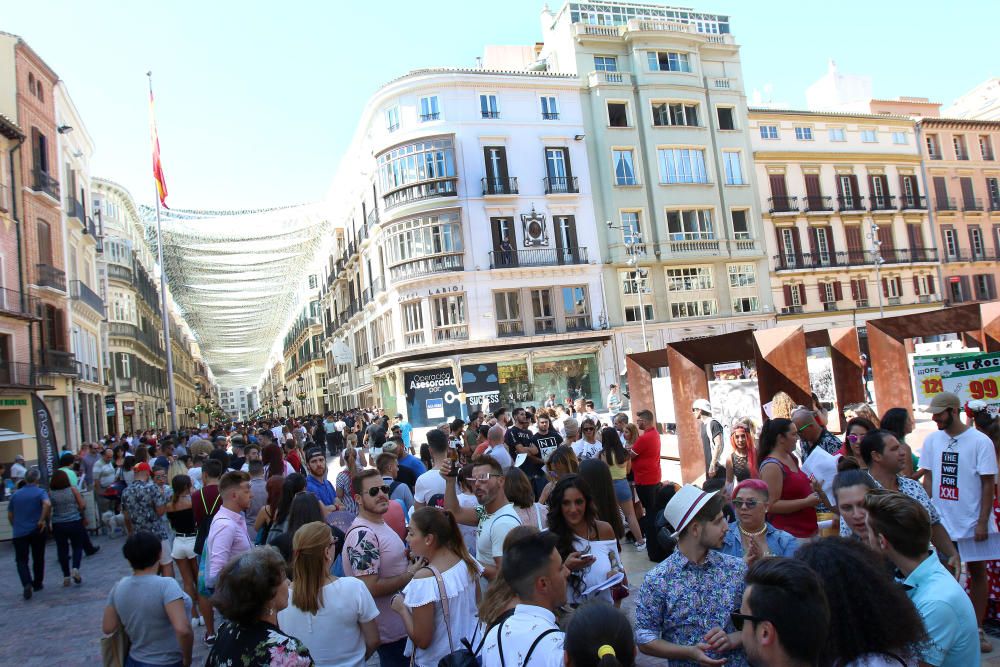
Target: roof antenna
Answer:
pixel 479 62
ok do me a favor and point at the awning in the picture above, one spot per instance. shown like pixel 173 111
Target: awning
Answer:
pixel 7 435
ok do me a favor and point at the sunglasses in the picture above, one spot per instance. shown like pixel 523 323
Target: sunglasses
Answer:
pixel 749 503
pixel 589 428
pixel 852 438
pixel 805 426
pixel 738 619
pixel 484 478
pixel 375 490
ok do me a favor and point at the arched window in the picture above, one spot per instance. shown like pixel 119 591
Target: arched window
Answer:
pixel 31 84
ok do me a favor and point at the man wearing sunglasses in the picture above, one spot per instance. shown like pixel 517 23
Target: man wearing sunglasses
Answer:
pixel 374 553
pixel 812 435
pixel 784 614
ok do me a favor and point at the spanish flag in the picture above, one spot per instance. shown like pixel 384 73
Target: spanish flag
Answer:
pixel 161 181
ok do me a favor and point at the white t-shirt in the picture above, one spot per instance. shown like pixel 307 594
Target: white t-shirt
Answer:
pixel 585 450
pixel 493 529
pixel 502 455
pixel 195 475
pixel 428 484
pixel 340 425
pixel 956 465
pixel 333 636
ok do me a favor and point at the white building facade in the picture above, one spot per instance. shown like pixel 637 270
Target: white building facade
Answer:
pixel 466 267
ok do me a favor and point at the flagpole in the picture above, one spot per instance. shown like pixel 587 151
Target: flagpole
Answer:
pixel 163 296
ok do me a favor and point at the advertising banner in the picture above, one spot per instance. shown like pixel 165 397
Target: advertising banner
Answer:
pixel 45 438
pixel 970 376
pixel 431 397
pixel 481 383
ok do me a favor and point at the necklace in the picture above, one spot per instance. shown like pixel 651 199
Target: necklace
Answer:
pixel 757 534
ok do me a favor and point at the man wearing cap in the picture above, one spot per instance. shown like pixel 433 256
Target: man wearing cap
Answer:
pixel 711 444
pixel 683 607
pixel 317 483
pixel 142 506
pixel 960 465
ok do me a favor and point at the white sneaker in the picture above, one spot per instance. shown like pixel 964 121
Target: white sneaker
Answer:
pixel 640 547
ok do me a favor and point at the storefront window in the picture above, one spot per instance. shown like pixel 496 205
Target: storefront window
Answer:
pixel 515 390
pixel 570 377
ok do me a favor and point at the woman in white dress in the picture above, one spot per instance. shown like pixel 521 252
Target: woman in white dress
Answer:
pixel 334 618
pixel 434 535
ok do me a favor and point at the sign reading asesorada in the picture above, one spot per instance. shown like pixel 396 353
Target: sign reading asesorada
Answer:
pixel 970 376
pixel 431 396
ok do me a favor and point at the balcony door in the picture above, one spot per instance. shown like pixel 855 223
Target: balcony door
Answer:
pixel 558 170
pixel 908 185
pixel 814 193
pixel 504 243
pixel 788 240
pixel 567 247
pixel 822 246
pixel 44 242
pixel 855 245
pixel 968 194
pixel 847 187
pixel 941 192
pixel 496 169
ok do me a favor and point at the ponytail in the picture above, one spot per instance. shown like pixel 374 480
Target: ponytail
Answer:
pixel 444 527
pixel 599 636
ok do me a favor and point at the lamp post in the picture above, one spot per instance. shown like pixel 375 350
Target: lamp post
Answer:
pixel 301 395
pixel 287 403
pixel 878 262
pixel 634 245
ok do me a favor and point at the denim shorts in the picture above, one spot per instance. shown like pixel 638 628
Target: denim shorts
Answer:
pixel 623 492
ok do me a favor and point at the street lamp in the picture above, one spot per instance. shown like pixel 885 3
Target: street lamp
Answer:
pixel 287 403
pixel 634 245
pixel 878 262
pixel 301 395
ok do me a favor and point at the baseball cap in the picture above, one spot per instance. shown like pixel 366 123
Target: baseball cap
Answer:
pixel 314 451
pixel 702 404
pixel 684 506
pixel 142 466
pixel 943 401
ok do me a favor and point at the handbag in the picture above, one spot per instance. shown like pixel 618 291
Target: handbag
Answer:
pixel 115 647
pixel 464 656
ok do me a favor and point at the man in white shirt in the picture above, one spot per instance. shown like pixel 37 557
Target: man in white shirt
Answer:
pixel 534 570
pixel 497 447
pixel 960 467
pixel 430 485
pixel 18 470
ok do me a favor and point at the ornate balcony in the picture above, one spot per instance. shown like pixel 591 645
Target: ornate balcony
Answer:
pixel 50 276
pixel 783 204
pixel 43 182
pixel 499 186
pixel 531 257
pixel 561 185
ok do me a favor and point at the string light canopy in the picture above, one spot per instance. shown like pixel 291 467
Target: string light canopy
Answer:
pixel 234 275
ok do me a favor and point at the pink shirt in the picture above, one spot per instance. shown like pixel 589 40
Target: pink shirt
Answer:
pixel 226 538
pixel 375 548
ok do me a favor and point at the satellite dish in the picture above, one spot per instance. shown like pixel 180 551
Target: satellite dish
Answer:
pixel 342 353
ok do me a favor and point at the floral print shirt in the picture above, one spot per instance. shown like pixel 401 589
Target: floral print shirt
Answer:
pixel 680 601
pixel 255 646
pixel 140 500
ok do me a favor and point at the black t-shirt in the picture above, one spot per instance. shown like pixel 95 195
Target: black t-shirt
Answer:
pixel 376 435
pixel 408 477
pixel 547 443
pixel 516 436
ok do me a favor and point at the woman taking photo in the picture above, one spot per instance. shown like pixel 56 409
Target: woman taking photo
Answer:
pixel 68 530
pixel 742 462
pixel 751 537
pixel 613 453
pixel 586 544
pixel 180 514
pixel 434 536
pixel 252 588
pixel 154 610
pixel 334 618
pixel 872 623
pixel 794 496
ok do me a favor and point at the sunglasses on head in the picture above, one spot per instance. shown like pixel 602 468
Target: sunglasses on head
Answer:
pixel 738 619
pixel 375 490
pixel 805 426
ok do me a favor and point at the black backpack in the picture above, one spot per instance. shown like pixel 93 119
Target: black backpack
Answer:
pixel 206 524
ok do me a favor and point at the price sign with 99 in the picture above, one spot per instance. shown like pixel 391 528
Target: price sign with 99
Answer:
pixel 985 388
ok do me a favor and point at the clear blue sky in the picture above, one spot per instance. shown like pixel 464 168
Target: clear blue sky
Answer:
pixel 256 101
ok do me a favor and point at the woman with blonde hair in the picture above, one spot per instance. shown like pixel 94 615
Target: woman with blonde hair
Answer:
pixel 631 433
pixel 782 406
pixel 333 617
pixel 450 579
pixel 562 462
pixel 178 467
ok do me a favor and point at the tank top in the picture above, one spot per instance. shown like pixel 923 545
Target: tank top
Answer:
pixel 64 507
pixel 182 521
pixel 617 471
pixel 801 523
pixel 741 468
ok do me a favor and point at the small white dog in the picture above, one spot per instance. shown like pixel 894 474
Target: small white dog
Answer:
pixel 114 524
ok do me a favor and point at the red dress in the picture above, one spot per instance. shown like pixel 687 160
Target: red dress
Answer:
pixel 796 486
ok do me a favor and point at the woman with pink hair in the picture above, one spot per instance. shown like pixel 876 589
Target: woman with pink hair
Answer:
pixel 751 537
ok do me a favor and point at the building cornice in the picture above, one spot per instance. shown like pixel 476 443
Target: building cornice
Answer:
pixel 821 156
pixel 758 112
pixel 959 123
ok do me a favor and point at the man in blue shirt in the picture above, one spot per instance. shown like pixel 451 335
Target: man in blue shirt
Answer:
pixel 28 513
pixel 404 430
pixel 317 483
pixel 900 527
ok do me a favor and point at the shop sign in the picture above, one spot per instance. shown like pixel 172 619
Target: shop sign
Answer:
pixel 110 406
pixel 6 402
pixel 128 408
pixel 432 396
pixel 45 439
pixel 481 384
pixel 433 291
pixel 970 376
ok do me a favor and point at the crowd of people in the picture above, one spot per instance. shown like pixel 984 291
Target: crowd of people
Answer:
pixel 499 540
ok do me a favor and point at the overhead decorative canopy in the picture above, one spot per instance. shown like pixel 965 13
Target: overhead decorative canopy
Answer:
pixel 234 275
